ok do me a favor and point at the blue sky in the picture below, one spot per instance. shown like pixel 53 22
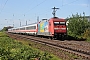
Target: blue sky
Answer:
pixel 14 11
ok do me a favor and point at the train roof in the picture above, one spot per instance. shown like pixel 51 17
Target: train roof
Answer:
pixel 53 18
pixel 23 26
pixel 57 19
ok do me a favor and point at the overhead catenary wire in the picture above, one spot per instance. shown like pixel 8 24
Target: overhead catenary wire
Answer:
pixel 47 11
pixel 69 3
pixel 3 6
pixel 37 5
pixel 88 4
pixel 34 7
pixel 64 4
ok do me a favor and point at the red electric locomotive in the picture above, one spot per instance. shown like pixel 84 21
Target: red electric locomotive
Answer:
pixel 53 28
pixel 58 27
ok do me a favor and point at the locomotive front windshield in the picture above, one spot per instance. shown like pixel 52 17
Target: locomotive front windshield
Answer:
pixel 59 23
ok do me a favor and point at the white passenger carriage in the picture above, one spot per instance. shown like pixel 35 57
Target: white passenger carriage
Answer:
pixel 29 29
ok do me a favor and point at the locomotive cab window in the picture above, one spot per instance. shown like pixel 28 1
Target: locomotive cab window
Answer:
pixel 59 23
pixel 56 23
pixel 62 23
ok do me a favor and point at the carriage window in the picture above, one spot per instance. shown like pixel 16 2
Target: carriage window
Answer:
pixel 22 28
pixel 17 29
pixel 31 27
pixel 14 29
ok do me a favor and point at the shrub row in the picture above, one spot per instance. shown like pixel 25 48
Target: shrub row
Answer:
pixel 13 50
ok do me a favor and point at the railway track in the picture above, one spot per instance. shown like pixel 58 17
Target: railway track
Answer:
pixel 81 49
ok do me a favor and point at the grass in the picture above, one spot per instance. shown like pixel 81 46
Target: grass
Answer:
pixel 34 46
pixel 15 50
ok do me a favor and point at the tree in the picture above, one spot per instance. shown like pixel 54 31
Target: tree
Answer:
pixel 6 28
pixel 77 25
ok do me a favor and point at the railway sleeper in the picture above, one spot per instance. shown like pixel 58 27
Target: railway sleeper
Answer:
pixel 78 50
pixel 82 55
pixel 78 54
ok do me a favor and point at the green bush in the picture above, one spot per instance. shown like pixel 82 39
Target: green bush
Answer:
pixel 77 26
pixel 86 34
pixel 12 50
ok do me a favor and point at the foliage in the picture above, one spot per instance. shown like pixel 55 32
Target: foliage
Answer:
pixel 77 25
pixel 86 34
pixel 2 34
pixel 13 50
pixel 88 39
pixel 6 28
